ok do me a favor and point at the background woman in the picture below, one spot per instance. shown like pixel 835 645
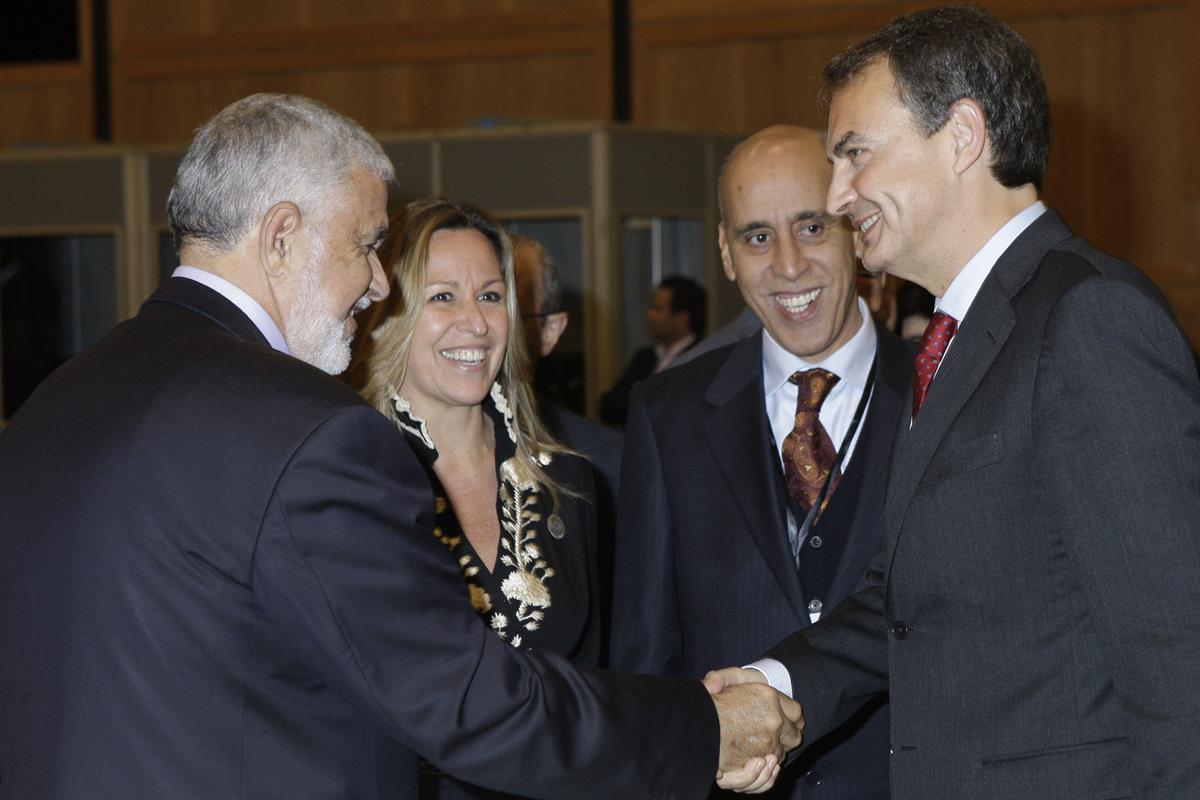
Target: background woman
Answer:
pixel 448 364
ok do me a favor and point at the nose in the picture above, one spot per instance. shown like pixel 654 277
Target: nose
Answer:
pixel 791 261
pixel 841 194
pixel 379 287
pixel 472 319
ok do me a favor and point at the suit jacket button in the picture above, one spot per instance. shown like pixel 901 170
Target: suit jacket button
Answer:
pixel 813 778
pixel 900 630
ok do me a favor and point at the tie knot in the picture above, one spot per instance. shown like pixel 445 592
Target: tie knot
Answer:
pixel 938 332
pixel 812 385
pixel 937 337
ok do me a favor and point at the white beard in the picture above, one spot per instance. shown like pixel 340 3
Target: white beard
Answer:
pixel 313 335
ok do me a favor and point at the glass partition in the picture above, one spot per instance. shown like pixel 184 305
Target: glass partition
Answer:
pixel 653 248
pixel 58 295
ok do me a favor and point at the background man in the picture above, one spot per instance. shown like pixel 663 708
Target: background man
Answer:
pixel 720 550
pixel 1033 611
pixel 216 573
pixel 539 290
pixel 675 319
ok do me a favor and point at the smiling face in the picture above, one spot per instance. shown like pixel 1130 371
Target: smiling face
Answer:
pixel 342 274
pixel 894 183
pixel 793 262
pixel 461 332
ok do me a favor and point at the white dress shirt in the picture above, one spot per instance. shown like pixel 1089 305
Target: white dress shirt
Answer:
pixel 248 305
pixel 962 290
pixel 851 363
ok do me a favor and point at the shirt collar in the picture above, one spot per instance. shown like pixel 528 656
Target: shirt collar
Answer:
pixel 247 304
pixel 851 362
pixel 667 354
pixel 962 290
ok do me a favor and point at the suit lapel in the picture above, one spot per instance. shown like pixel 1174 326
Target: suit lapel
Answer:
pixel 982 334
pixel 739 437
pixel 893 375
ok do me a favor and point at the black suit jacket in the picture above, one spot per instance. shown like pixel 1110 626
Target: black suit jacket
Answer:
pixel 705 576
pixel 614 404
pixel 218 581
pixel 602 445
pixel 1034 609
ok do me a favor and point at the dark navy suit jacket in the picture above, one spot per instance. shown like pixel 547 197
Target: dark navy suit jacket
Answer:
pixel 705 574
pixel 1034 608
pixel 218 579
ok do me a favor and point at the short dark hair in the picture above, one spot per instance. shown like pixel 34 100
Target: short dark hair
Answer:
pixel 942 55
pixel 689 296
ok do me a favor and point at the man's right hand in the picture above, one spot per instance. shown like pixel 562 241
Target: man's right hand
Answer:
pixel 756 721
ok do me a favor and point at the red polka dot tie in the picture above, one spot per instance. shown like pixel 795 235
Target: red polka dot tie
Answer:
pixel 937 338
pixel 808 453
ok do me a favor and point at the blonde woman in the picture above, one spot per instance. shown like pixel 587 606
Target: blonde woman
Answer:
pixel 448 364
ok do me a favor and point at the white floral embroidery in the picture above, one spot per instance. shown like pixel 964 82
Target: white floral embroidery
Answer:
pixel 403 408
pixel 519 496
pixel 505 410
pixel 526 584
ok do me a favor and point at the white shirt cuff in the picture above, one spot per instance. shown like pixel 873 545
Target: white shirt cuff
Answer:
pixel 776 674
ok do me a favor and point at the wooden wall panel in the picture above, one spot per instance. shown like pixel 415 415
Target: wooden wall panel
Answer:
pixel 1124 170
pixel 51 102
pixel 391 65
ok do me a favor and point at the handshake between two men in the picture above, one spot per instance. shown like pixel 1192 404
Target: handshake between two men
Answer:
pixel 758 726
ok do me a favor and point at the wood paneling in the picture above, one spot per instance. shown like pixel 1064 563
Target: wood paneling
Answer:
pixel 1124 171
pixel 50 102
pixel 391 64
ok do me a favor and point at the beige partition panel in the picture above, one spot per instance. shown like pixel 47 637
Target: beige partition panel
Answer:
pixel 71 261
pixel 596 191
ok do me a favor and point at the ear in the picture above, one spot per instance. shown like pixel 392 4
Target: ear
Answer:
pixel 552 329
pixel 278 235
pixel 726 259
pixel 968 132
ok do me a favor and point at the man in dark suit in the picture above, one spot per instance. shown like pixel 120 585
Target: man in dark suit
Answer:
pixel 1033 611
pixel 217 578
pixel 539 292
pixel 540 295
pixel 675 319
pixel 716 558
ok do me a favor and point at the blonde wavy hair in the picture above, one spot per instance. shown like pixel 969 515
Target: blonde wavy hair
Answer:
pixel 405 256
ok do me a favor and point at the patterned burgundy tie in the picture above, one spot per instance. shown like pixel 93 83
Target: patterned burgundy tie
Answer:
pixel 934 342
pixel 808 453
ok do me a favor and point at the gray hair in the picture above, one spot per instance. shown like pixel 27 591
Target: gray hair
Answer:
pixel 552 293
pixel 259 151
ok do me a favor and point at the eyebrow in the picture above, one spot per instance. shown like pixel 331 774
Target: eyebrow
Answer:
pixel 799 216
pixel 455 284
pixel 851 137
